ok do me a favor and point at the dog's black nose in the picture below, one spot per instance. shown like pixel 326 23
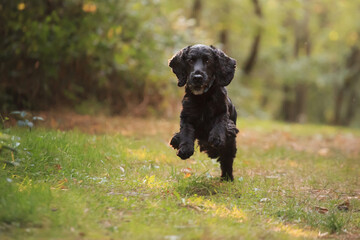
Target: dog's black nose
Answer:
pixel 198 78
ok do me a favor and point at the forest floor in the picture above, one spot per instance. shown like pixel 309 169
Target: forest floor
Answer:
pixel 97 177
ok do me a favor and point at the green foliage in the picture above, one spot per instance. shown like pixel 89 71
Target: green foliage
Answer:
pixel 66 52
pixel 25 119
pixel 336 222
pixel 23 202
pixel 197 185
pixel 9 144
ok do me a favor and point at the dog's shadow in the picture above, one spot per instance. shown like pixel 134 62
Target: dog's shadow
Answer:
pixel 200 185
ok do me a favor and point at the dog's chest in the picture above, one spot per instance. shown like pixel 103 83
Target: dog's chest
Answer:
pixel 204 113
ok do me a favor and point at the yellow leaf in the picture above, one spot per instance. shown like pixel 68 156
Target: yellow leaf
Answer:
pixel 118 30
pixel 110 33
pixel 352 38
pixel 89 7
pixel 21 6
pixel 333 35
pixel 137 6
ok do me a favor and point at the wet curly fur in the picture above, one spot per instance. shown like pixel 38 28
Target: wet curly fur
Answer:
pixel 208 114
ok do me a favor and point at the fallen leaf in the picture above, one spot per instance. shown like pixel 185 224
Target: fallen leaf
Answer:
pixel 106 223
pixel 172 237
pixel 321 235
pixel 321 210
pixel 323 152
pixel 61 184
pixel 186 170
pixel 345 206
pixel 194 207
pixel 272 177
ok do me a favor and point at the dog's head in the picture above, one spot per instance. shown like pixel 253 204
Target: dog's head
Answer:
pixel 200 66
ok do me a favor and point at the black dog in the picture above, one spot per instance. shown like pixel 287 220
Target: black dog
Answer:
pixel 208 114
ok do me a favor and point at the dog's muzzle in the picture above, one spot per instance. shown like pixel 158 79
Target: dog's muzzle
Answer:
pixel 197 78
pixel 199 84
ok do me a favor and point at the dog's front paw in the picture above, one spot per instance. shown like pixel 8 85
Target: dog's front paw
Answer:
pixel 185 151
pixel 217 139
pixel 175 141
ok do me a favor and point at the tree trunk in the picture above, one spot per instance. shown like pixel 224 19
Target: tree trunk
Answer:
pixel 255 46
pixel 296 106
pixel 224 32
pixel 287 104
pixel 351 108
pixel 338 106
pixel 300 102
pixel 196 12
pixel 251 60
pixel 344 117
pixel 224 39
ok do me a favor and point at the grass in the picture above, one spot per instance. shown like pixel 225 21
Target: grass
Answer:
pixel 73 185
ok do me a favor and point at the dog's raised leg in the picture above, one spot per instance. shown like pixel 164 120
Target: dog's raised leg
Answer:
pixel 175 141
pixel 187 138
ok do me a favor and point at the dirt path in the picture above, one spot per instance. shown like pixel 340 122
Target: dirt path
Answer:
pixel 323 144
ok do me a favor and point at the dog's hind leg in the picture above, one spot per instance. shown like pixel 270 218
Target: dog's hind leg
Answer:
pixel 208 149
pixel 226 160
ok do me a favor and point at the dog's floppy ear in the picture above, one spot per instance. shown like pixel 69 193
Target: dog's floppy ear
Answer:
pixel 178 65
pixel 225 67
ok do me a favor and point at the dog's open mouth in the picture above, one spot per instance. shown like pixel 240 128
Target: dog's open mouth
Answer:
pixel 197 90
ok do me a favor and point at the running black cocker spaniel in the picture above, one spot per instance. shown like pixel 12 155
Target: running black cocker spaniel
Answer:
pixel 208 113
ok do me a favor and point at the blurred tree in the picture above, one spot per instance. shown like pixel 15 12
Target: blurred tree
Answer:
pixel 294 103
pixel 297 60
pixel 251 59
pixel 196 12
pixel 348 90
pixel 62 52
pixel 224 30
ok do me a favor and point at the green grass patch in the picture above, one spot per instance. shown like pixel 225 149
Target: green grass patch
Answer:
pixel 71 185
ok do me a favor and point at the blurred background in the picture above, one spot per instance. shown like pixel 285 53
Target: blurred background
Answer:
pixel 297 60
